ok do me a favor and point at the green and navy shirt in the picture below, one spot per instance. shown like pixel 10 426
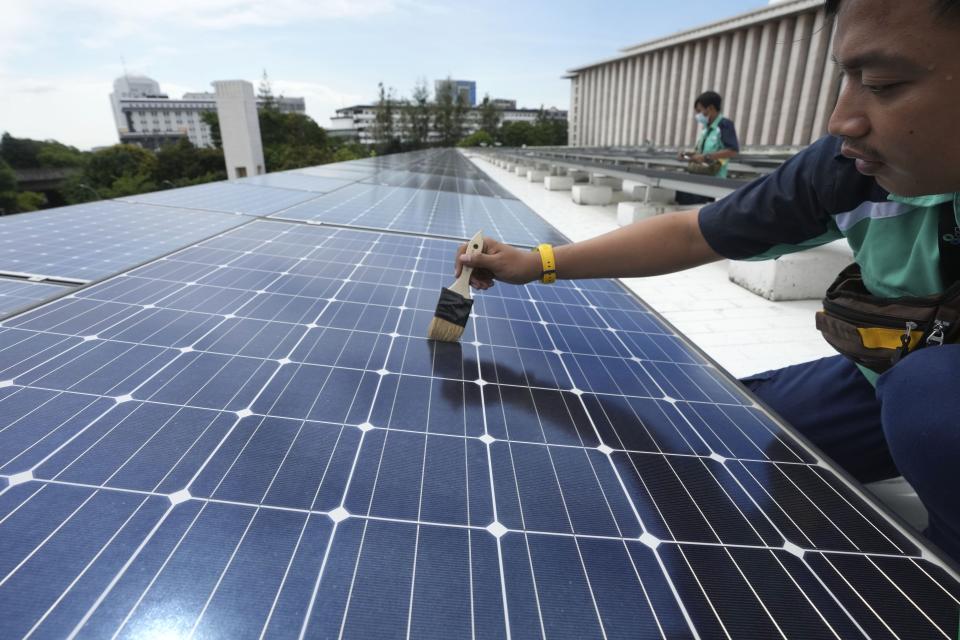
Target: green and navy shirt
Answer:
pixel 818 196
pixel 717 136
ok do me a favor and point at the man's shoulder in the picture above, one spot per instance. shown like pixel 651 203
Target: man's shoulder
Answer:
pixel 834 178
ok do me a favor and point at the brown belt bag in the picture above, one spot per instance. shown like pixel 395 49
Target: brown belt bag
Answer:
pixel 878 332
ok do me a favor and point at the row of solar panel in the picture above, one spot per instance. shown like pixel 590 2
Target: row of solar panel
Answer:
pixel 251 436
pixel 91 241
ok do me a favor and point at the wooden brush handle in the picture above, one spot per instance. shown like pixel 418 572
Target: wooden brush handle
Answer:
pixel 462 284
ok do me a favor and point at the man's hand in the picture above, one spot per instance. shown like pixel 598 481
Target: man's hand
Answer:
pixel 698 157
pixel 499 261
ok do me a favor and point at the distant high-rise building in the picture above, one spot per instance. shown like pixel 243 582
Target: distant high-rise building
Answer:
pixel 464 89
pixel 147 117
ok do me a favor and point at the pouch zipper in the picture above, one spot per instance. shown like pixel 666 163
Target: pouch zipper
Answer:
pixel 888 322
pixel 937 333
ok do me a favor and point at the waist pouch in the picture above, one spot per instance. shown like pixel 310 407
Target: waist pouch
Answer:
pixel 878 332
pixel 707 168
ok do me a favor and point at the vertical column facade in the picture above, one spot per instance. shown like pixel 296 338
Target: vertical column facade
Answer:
pixel 775 77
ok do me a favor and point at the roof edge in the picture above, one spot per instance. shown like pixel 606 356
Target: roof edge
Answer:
pixel 763 14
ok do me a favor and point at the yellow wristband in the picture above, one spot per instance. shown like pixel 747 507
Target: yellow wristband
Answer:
pixel 549 264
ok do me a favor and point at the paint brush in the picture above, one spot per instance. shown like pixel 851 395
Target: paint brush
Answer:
pixel 453 309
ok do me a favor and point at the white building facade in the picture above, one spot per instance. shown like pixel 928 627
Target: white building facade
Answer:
pixel 360 118
pixel 147 117
pixel 772 66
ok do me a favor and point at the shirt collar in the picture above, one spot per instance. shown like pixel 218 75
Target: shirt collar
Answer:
pixel 925 201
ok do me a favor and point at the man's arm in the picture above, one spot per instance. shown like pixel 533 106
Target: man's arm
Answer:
pixel 658 245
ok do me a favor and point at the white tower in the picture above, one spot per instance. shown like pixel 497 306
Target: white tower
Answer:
pixel 239 128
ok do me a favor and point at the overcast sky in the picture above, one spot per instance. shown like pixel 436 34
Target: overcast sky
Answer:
pixel 58 58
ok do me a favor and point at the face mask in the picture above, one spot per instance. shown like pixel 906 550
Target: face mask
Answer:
pixel 701 119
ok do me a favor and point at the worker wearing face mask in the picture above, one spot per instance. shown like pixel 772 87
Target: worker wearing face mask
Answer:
pixel 716 144
pixel 717 141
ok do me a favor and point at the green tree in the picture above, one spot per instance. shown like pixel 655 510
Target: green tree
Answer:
pixel 489 116
pixel 349 152
pixel 120 170
pixel 181 163
pixel 265 94
pixel 8 189
pixel 421 115
pixel 515 134
pixel 450 114
pixel 211 119
pixel 477 139
pixel 24 153
pixel 19 153
pixel 30 201
pixel 385 134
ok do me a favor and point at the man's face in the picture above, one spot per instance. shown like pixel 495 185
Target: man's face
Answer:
pixel 897 108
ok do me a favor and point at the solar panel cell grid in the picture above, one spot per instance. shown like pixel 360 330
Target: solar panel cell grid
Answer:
pixel 282 452
pixel 90 241
pixel 251 437
pixel 229 197
pixel 16 294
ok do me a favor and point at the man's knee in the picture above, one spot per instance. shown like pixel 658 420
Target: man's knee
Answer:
pixel 931 373
pixel 920 406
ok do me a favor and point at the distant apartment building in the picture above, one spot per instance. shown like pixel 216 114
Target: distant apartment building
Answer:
pixel 360 120
pixel 147 117
pixel 466 90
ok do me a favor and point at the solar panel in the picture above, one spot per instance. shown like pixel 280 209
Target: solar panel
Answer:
pixel 297 181
pixel 89 241
pixel 425 211
pixel 16 294
pixel 227 197
pixel 346 170
pixel 252 438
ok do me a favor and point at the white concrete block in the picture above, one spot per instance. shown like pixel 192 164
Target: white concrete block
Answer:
pixel 592 194
pixel 536 175
pixel 797 276
pixel 630 212
pixel 635 189
pixel 558 183
pixel 579 176
pixel 661 195
pixel 602 180
pixel 520 170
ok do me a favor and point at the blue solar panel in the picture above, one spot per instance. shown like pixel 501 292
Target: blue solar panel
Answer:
pixel 252 438
pixel 227 197
pixel 16 294
pixel 298 181
pixel 89 241
pixel 343 170
pixel 441 213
